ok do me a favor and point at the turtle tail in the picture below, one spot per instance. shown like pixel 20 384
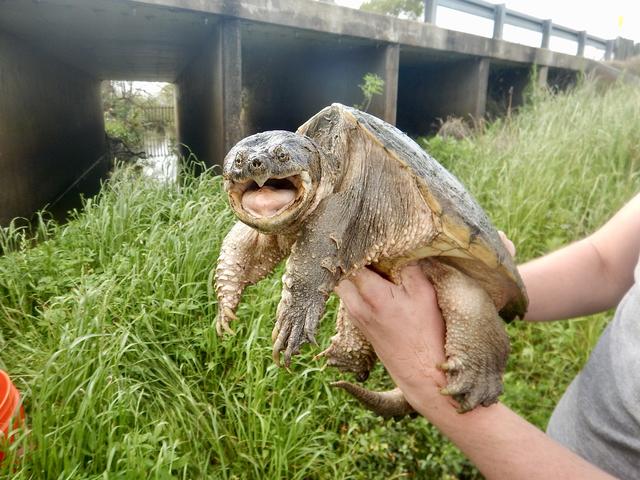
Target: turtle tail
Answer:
pixel 386 404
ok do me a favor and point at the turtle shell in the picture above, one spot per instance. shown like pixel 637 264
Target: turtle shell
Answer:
pixel 466 237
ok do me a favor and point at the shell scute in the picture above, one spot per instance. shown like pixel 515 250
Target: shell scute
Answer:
pixel 467 238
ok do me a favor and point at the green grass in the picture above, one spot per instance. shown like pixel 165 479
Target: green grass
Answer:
pixel 106 325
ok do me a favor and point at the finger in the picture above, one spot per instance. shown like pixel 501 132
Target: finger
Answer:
pixel 346 288
pixel 372 287
pixel 414 281
pixel 508 244
pixel 352 300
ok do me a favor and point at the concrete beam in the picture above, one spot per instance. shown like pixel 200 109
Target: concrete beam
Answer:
pixel 209 96
pixel 231 58
pixel 543 76
pixel 499 15
pixel 388 64
pixel 582 43
pixel 51 130
pixel 392 70
pixel 319 17
pixel 430 11
pixel 547 29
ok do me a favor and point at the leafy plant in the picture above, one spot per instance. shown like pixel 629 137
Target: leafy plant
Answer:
pixel 372 84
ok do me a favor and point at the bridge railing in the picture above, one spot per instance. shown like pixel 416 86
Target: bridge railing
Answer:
pixel 502 15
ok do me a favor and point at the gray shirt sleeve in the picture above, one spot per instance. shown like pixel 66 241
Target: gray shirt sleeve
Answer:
pixel 598 417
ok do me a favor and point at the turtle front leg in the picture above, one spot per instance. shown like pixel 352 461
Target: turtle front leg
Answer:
pixel 306 285
pixel 319 258
pixel 349 351
pixel 246 257
pixel 476 343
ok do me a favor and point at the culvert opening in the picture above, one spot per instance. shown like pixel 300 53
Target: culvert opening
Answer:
pixel 140 126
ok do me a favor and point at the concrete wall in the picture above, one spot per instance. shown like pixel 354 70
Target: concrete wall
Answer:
pixel 560 79
pixel 285 82
pixel 197 90
pixel 240 83
pixel 431 91
pixel 506 88
pixel 51 129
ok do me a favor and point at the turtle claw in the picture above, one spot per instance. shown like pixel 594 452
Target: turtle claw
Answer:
pixel 470 386
pixel 222 321
pixel 293 330
pixel 452 365
pixel 347 361
pixel 279 338
pixel 276 356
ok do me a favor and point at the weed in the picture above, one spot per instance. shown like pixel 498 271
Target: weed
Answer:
pixel 372 84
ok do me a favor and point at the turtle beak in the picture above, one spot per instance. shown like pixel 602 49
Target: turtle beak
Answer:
pixel 257 168
pixel 261 179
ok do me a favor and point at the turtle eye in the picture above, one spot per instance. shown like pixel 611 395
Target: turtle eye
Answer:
pixel 281 154
pixel 239 160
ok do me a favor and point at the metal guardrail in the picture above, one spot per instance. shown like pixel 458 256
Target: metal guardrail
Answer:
pixel 158 113
pixel 502 15
pixel 157 146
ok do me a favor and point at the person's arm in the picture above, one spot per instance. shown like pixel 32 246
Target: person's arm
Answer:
pixel 404 325
pixel 588 276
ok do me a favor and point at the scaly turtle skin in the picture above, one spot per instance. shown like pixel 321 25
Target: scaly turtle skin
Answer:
pixel 348 190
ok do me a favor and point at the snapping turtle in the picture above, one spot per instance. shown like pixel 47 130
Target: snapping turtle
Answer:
pixel 346 191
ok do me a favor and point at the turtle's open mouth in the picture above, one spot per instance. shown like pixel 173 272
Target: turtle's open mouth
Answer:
pixel 274 197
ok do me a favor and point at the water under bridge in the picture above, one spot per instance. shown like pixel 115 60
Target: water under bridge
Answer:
pixel 239 66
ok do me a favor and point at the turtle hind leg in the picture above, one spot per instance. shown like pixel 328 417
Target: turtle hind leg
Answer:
pixel 477 345
pixel 349 351
pixel 389 404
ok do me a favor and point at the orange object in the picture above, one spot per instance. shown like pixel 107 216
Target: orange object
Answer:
pixel 10 408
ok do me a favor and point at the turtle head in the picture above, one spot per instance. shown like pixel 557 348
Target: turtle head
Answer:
pixel 272 178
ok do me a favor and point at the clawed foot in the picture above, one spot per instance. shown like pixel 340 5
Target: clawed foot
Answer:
pixel 225 316
pixel 294 328
pixel 470 386
pixel 353 361
pixel 358 359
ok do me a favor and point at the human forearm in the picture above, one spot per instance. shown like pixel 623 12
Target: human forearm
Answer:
pixel 568 283
pixel 498 441
pixel 588 276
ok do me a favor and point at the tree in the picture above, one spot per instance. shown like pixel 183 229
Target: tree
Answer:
pixel 132 115
pixel 407 8
pixel 123 116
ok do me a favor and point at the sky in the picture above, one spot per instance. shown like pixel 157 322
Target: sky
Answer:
pixel 608 20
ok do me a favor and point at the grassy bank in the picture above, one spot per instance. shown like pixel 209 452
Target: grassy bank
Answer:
pixel 106 325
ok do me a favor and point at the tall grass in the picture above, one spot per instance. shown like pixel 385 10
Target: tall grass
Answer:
pixel 548 176
pixel 106 325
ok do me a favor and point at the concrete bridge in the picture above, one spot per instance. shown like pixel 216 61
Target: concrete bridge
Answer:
pixel 240 66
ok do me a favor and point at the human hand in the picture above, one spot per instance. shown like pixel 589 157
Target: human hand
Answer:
pixel 511 248
pixel 403 323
